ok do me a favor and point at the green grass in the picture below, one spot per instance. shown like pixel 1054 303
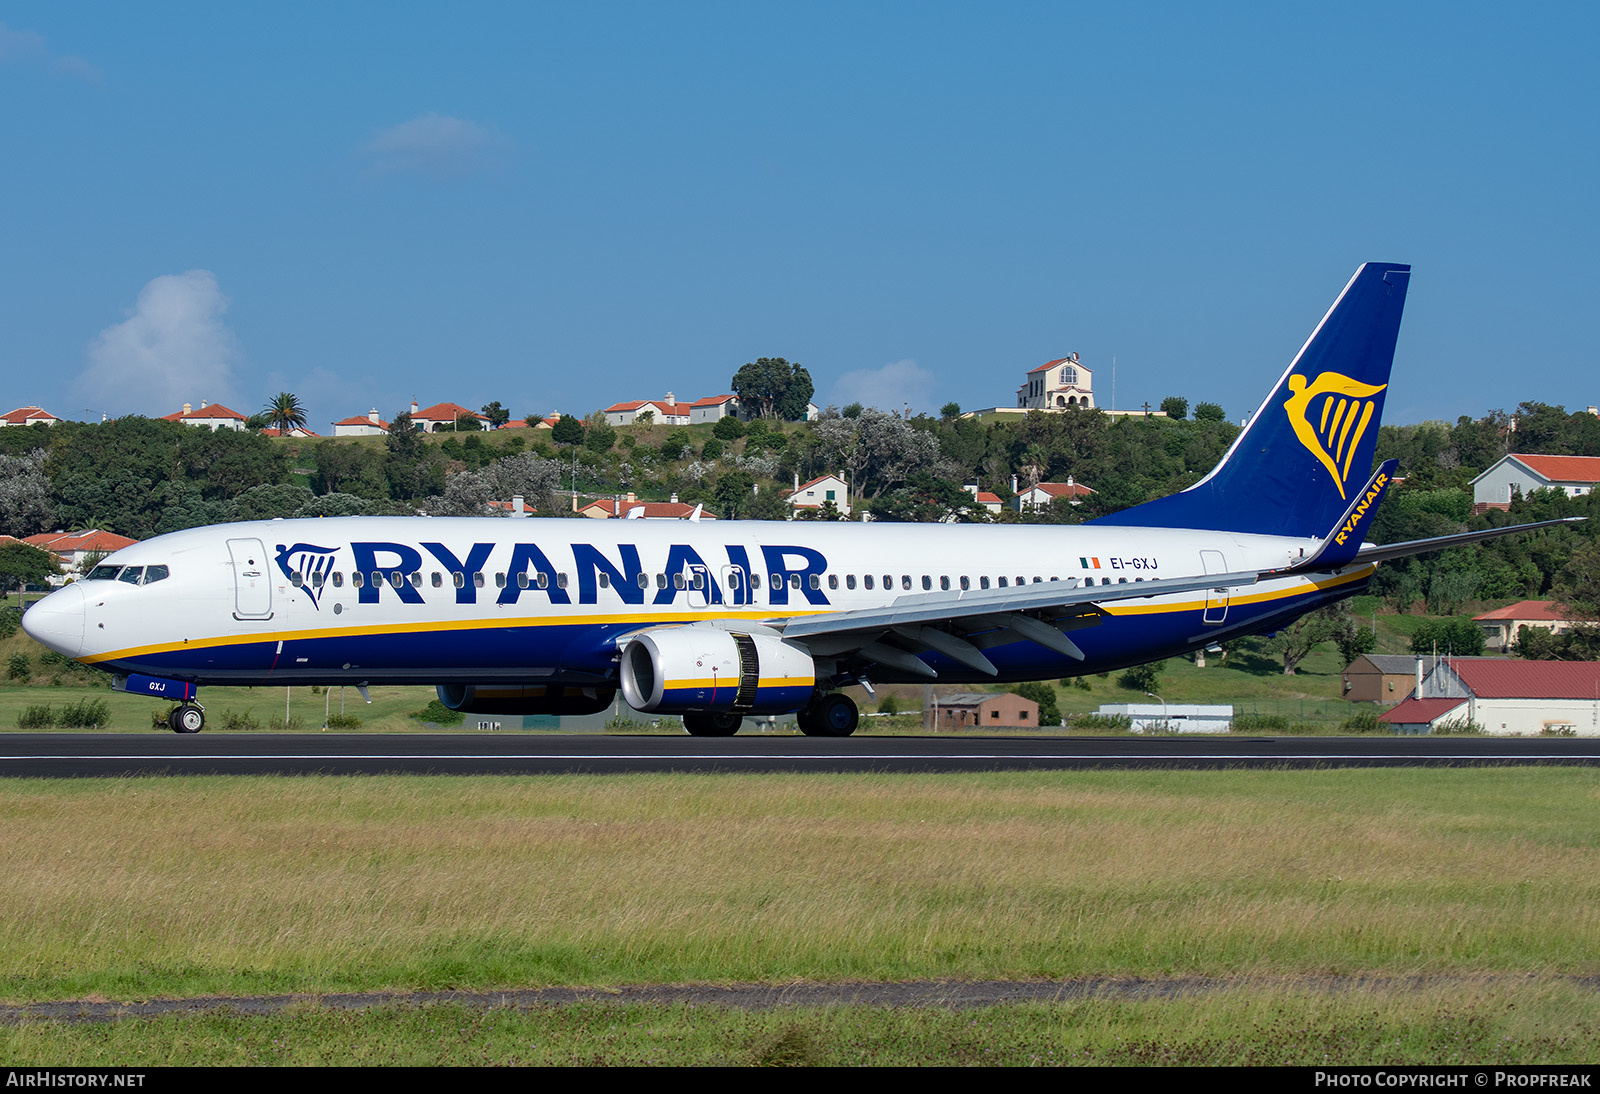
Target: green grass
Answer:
pixel 142 888
pixel 1529 1023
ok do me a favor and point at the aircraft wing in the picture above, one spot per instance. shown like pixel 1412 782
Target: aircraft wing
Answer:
pixel 1411 547
pixel 961 624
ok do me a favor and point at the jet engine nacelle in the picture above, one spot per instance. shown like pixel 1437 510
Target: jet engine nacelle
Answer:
pixel 677 670
pixel 515 699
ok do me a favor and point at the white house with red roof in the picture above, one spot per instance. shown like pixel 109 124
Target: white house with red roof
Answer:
pixel 1500 626
pixel 74 547
pixel 818 492
pixel 985 498
pixel 293 431
pixel 28 415
pixel 666 411
pixel 1505 697
pixel 713 408
pixel 1057 385
pixel 370 426
pixel 212 416
pixel 1041 496
pixel 629 507
pixel 441 417
pixel 1523 473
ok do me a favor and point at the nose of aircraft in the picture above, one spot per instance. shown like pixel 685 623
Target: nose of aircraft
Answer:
pixel 57 621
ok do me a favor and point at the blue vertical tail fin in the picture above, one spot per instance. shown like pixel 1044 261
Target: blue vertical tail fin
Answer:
pixel 1294 468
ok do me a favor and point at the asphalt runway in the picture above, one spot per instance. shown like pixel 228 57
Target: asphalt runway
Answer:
pixel 78 755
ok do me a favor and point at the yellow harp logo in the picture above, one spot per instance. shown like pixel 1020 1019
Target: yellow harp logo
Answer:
pixel 1341 409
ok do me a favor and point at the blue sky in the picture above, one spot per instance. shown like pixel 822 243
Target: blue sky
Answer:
pixel 561 206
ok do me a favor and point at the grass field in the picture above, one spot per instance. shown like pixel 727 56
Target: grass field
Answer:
pixel 148 887
pixel 1270 880
pixel 1534 1023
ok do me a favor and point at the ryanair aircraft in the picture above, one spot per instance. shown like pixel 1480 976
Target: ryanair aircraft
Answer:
pixel 713 621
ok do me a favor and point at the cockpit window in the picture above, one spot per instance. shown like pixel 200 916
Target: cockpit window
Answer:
pixel 103 573
pixel 153 574
pixel 131 574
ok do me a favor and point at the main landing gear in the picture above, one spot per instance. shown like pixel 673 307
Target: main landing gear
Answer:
pixel 189 718
pixel 712 724
pixel 833 715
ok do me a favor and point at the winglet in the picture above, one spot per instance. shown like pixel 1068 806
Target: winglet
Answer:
pixel 1340 548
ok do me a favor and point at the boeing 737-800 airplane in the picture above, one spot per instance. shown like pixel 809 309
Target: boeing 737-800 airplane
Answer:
pixel 717 620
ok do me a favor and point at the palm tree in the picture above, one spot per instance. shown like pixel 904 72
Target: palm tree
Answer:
pixel 285 413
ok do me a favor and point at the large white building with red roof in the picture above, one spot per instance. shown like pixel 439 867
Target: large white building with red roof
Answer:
pixel 1043 494
pixel 666 411
pixel 1509 697
pixel 370 426
pixel 28 415
pixel 74 547
pixel 1500 626
pixel 212 416
pixel 630 507
pixel 1523 473
pixel 1057 385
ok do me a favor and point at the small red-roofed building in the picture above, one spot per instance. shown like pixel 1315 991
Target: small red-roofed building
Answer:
pixel 1523 473
pixel 631 508
pixel 1506 696
pixel 370 426
pixel 28 415
pixel 212 416
pixel 1042 495
pixel 818 492
pixel 1500 626
pixel 74 547
pixel 713 408
pixel 295 431
pixel 441 417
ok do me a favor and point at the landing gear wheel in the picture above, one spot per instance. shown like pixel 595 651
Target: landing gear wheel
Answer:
pixel 832 716
pixel 187 719
pixel 712 724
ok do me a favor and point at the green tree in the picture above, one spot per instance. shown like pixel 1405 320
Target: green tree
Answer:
pixel 468 422
pixel 672 447
pixel 712 449
pixel 285 412
pixel 775 388
pixel 1045 696
pixel 567 430
pixel 598 434
pixel 929 499
pixel 23 564
pixel 497 414
pixel 1143 678
pixel 410 467
pixel 1209 412
pixel 1175 407
pixel 729 428
pixel 1458 636
pixel 733 495
pixel 1296 640
pixel 950 411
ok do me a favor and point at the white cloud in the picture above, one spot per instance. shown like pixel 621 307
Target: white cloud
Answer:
pixel 891 387
pixel 173 348
pixel 27 45
pixel 435 145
